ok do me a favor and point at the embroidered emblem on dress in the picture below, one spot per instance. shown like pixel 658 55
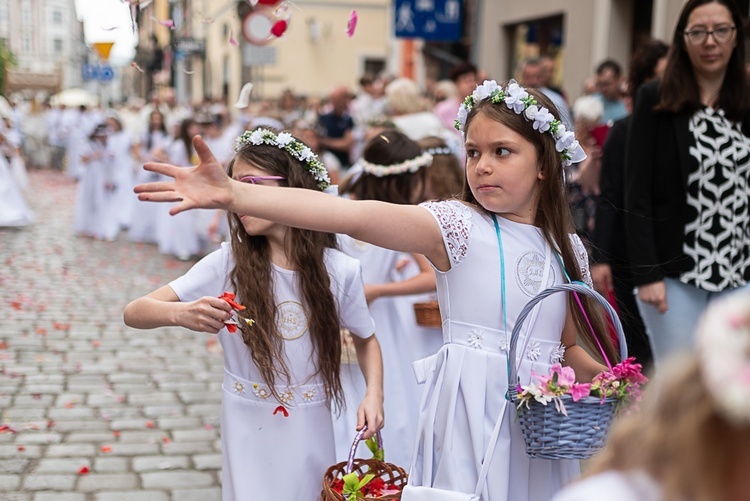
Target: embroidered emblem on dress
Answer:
pixel 291 320
pixel 309 395
pixel 529 273
pixel 558 354
pixel 286 396
pixel 239 388
pixel 261 393
pixel 534 351
pixel 476 337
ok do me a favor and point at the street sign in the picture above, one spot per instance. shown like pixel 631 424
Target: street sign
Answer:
pixel 428 19
pixel 100 72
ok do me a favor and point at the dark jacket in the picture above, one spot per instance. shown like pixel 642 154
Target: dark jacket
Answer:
pixel 657 165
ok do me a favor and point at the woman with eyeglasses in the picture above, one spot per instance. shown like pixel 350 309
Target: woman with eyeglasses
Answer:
pixel 687 174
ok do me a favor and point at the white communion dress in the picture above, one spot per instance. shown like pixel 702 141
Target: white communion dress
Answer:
pixel 277 449
pixel 13 208
pixel 400 390
pixel 467 379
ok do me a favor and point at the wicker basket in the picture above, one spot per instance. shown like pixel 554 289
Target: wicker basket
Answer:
pixel 428 314
pixel 390 473
pixel 348 352
pixel 549 434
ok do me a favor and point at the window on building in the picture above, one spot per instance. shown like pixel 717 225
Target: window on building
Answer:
pixel 374 66
pixel 3 14
pixel 26 43
pixel 57 46
pixel 26 13
pixel 57 17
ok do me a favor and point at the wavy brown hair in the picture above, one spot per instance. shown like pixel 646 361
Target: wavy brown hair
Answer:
pixel 252 279
pixel 553 214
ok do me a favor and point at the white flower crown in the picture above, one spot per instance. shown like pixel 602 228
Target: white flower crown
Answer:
pixel 440 150
pixel 521 102
pixel 411 165
pixel 724 350
pixel 291 145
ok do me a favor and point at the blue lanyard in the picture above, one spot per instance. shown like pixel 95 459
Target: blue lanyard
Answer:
pixel 502 281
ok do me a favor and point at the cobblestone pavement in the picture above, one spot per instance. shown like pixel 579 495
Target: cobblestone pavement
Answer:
pixel 89 408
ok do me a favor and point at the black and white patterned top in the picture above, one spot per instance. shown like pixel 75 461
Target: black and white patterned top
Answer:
pixel 717 233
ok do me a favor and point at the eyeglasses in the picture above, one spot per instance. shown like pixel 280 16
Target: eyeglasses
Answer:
pixel 260 179
pixel 721 34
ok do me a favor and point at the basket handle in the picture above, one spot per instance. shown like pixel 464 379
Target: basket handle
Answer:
pixel 569 287
pixel 353 449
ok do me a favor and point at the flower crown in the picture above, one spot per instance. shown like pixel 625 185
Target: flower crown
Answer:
pixel 724 350
pixel 411 165
pixel 521 102
pixel 440 150
pixel 291 145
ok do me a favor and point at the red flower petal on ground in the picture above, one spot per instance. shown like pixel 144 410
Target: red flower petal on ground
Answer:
pixel 106 448
pixel 84 470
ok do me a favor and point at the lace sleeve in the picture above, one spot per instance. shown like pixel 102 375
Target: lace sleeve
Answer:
pixel 455 223
pixel 583 259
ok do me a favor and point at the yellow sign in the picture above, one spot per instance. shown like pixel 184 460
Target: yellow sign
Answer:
pixel 103 48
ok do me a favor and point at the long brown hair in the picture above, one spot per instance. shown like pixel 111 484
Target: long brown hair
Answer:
pixel 679 90
pixel 252 279
pixel 679 437
pixel 553 214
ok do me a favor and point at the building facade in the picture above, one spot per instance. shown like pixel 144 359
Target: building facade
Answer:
pixel 48 42
pixel 578 34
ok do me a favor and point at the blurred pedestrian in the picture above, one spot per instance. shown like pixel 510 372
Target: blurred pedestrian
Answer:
pixel 687 172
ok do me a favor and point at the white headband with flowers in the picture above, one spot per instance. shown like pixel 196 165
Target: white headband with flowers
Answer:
pixel 291 145
pixel 521 102
pixel 412 165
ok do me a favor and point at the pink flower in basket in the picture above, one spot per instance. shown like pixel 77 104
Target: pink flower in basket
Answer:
pixel 623 382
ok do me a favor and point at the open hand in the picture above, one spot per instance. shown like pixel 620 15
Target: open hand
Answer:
pixel 204 186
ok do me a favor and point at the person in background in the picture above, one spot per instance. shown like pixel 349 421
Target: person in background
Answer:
pixel 337 126
pixel 465 77
pixel 609 90
pixel 610 268
pixel 687 176
pixel 533 75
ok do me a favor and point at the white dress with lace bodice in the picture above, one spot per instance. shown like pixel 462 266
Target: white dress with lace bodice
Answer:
pixel 467 380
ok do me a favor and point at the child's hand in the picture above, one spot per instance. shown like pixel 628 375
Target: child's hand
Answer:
pixel 370 412
pixel 207 314
pixel 203 186
pixel 372 292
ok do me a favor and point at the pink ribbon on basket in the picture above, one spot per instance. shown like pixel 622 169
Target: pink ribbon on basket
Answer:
pixel 588 322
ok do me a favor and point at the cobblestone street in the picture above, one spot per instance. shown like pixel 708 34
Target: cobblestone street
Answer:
pixel 89 408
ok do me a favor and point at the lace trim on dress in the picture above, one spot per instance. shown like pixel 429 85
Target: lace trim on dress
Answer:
pixel 583 259
pixel 455 223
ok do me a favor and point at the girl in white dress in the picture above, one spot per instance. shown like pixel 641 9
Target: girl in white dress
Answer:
pixel 509 238
pixel 392 169
pixel 152 147
pixel 179 236
pixel 281 372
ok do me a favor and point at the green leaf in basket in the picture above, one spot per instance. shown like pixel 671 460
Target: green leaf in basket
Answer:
pixel 353 485
pixel 377 452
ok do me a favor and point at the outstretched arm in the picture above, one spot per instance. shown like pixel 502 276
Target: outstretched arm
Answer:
pixel 404 228
pixel 162 308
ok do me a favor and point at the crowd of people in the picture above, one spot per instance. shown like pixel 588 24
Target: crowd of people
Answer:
pixel 638 188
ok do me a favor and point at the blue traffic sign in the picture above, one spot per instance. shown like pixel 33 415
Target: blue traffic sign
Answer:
pixel 428 19
pixel 101 72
